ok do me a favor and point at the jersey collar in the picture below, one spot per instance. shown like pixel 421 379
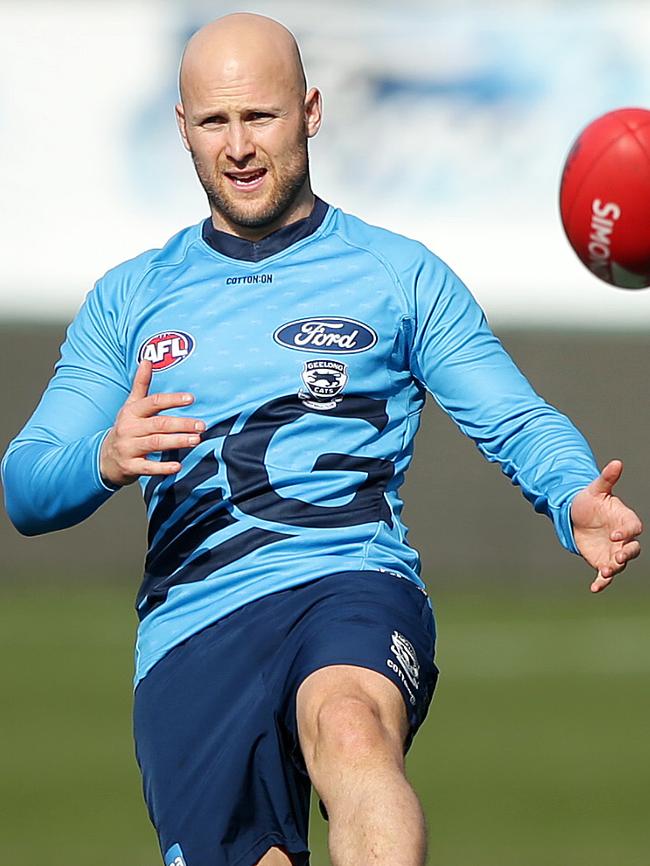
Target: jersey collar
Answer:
pixel 254 251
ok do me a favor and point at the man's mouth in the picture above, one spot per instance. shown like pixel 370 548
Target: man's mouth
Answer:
pixel 249 179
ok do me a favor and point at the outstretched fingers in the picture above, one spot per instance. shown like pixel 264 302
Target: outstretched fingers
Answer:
pixel 151 433
pixel 144 405
pixel 140 466
pixel 141 382
pixel 622 556
pixel 609 476
pixel 605 529
pixel 148 406
pixel 629 528
pixel 629 551
pixel 601 582
pixel 140 431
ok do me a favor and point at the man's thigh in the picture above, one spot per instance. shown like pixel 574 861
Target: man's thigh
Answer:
pixel 364 648
pixel 361 669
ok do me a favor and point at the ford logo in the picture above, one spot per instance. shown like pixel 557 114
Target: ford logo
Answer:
pixel 326 334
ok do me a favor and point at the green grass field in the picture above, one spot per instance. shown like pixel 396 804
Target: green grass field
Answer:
pixel 536 751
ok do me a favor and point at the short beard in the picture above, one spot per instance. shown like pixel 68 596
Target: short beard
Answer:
pixel 287 190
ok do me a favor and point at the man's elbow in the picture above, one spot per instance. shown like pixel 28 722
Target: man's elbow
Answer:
pixel 17 501
pixel 29 522
pixel 23 519
pixel 27 529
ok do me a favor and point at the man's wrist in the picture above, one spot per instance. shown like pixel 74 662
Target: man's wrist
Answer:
pixel 105 482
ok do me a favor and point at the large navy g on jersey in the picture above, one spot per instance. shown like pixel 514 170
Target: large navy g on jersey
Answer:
pixel 309 354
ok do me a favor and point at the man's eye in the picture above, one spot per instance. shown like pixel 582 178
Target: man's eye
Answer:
pixel 260 115
pixel 213 121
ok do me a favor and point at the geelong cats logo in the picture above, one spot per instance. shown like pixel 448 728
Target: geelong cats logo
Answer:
pixel 404 652
pixel 166 349
pixel 324 380
pixel 326 333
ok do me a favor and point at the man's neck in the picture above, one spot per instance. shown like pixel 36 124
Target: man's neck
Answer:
pixel 246 250
pixel 300 209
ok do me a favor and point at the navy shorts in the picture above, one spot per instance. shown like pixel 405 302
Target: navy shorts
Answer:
pixel 215 719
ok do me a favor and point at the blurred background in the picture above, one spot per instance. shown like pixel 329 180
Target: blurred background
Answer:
pixel 446 121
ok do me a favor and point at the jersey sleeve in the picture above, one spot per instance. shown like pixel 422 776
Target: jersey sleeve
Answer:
pixel 455 355
pixel 51 469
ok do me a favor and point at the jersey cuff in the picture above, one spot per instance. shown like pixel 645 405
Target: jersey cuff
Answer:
pixel 96 463
pixel 564 526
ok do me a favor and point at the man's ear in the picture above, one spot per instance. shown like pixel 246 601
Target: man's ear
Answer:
pixel 313 111
pixel 182 128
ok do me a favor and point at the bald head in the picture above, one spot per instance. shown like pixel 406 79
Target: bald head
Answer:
pixel 238 46
pixel 245 117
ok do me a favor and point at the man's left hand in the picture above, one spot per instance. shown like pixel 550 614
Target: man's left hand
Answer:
pixel 604 528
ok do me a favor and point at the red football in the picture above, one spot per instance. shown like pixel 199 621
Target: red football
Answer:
pixel 605 197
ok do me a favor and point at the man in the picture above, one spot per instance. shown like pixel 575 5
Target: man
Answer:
pixel 286 637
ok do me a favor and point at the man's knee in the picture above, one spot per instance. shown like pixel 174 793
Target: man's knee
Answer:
pixel 341 721
pixel 350 728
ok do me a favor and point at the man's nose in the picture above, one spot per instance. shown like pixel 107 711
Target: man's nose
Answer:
pixel 239 145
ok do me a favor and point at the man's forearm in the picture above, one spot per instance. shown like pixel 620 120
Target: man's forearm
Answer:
pixel 50 486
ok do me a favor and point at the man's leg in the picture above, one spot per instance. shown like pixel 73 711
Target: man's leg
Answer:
pixel 352 726
pixel 275 857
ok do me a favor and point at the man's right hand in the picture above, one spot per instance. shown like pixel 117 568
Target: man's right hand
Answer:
pixel 139 430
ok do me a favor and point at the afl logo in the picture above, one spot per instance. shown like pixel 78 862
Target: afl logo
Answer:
pixel 166 349
pixel 326 334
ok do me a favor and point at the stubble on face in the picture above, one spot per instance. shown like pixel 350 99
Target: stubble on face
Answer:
pixel 287 178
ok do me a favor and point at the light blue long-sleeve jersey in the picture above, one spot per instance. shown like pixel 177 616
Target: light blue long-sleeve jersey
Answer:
pixel 310 368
